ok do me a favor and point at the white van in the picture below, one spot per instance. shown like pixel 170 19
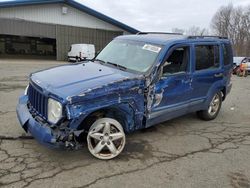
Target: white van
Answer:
pixel 79 52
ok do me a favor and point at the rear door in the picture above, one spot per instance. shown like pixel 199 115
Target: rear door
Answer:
pixel 207 70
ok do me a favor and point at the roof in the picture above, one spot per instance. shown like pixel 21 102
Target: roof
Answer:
pixel 165 38
pixel 160 39
pixel 72 3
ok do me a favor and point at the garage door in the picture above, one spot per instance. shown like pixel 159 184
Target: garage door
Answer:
pixel 27 39
pixel 25 28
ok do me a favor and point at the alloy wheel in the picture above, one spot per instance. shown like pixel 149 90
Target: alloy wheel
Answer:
pixel 214 105
pixel 106 138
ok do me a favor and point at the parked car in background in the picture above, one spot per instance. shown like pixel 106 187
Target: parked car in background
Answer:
pixel 79 52
pixel 237 60
pixel 135 82
pixel 236 64
pixel 246 61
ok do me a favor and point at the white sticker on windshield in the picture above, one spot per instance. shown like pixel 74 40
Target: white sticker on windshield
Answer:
pixel 151 48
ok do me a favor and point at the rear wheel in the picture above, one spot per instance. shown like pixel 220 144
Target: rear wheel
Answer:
pixel 213 108
pixel 106 138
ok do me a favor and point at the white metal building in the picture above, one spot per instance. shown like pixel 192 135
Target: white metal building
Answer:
pixel 48 28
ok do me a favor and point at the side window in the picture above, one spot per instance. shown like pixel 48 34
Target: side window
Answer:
pixel 177 62
pixel 227 53
pixel 207 57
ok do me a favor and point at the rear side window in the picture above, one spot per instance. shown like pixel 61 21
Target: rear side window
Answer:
pixel 227 53
pixel 207 57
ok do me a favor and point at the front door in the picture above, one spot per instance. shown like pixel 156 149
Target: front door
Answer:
pixel 172 92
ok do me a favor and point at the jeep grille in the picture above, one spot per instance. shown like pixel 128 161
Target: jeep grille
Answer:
pixel 38 102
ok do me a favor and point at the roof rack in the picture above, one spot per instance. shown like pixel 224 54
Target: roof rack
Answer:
pixel 206 36
pixel 161 33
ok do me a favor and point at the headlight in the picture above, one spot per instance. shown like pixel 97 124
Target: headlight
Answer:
pixel 26 90
pixel 54 111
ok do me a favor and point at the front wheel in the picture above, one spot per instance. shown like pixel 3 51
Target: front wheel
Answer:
pixel 106 138
pixel 213 108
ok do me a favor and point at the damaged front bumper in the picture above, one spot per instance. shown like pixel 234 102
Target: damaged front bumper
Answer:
pixel 41 132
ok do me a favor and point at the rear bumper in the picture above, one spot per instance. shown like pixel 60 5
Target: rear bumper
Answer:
pixel 42 133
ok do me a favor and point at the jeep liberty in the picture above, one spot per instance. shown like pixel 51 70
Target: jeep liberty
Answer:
pixel 135 82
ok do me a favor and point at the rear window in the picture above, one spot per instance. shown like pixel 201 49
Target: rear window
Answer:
pixel 227 53
pixel 207 57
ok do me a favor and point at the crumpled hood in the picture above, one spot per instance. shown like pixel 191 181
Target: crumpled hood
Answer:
pixel 73 79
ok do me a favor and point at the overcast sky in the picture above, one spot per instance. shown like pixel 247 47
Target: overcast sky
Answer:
pixel 160 15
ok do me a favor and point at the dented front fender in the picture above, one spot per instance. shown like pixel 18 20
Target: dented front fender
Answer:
pixel 125 95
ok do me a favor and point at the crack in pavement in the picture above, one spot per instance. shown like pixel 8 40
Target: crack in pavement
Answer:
pixel 29 164
pixel 168 159
pixel 216 136
pixel 15 79
pixel 11 87
pixel 5 112
pixel 239 180
pixel 55 174
pixel 22 137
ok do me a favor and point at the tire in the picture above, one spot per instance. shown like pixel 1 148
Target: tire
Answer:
pixel 213 108
pixel 106 138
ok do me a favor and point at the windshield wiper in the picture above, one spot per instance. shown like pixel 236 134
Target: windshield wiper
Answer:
pixel 101 61
pixel 117 65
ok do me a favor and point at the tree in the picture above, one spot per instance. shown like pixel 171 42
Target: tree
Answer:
pixel 221 20
pixel 197 31
pixel 193 31
pixel 234 23
pixel 178 30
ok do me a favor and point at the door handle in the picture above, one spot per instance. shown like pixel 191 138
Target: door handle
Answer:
pixel 218 75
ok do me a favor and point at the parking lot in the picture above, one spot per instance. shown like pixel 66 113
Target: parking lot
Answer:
pixel 183 152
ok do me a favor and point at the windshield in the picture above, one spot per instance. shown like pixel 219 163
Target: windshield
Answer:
pixel 136 56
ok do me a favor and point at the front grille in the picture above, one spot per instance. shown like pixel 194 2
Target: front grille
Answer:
pixel 38 102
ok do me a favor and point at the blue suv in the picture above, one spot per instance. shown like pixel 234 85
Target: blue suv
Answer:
pixel 135 82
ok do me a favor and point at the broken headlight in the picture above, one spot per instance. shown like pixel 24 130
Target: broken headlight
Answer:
pixel 54 111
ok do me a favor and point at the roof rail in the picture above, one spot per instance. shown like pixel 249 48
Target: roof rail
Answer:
pixel 161 33
pixel 207 36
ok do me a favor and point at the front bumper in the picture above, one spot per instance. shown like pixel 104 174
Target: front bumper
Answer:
pixel 41 132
